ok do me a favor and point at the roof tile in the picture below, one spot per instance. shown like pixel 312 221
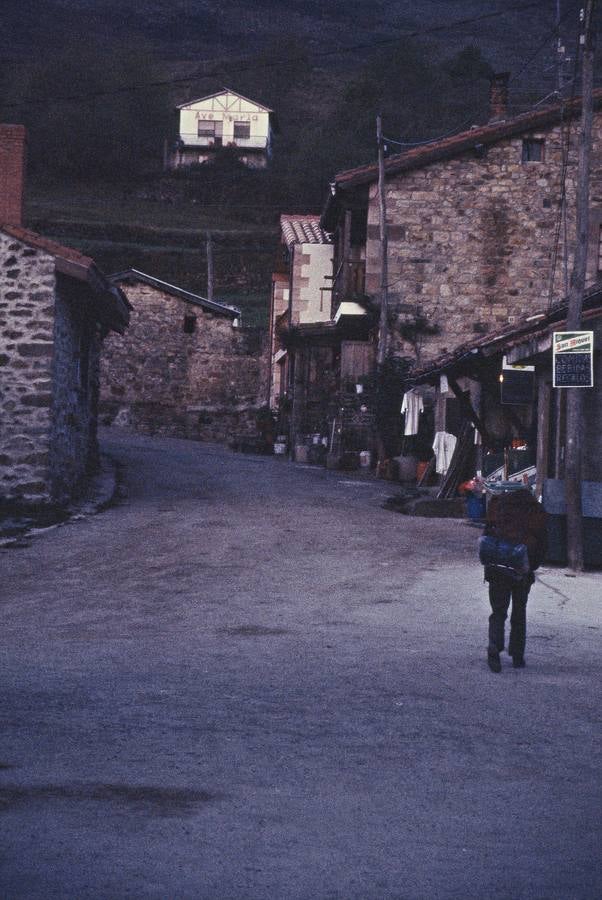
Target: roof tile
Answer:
pixel 303 230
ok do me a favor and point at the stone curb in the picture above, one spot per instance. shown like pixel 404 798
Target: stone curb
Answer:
pixel 101 492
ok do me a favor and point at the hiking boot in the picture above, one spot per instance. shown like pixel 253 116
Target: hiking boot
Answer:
pixel 493 661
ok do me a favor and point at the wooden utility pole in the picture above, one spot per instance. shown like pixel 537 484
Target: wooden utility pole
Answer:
pixel 574 398
pixel 383 331
pixel 209 266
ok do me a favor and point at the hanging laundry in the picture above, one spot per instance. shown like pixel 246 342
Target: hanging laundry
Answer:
pixel 412 406
pixel 443 448
pixel 443 384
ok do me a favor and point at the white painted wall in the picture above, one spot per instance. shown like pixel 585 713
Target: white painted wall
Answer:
pixel 315 300
pixel 226 109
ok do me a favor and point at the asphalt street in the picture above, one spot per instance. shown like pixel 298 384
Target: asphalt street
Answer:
pixel 249 680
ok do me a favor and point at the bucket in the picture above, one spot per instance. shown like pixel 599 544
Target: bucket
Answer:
pixel 365 459
pixel 476 508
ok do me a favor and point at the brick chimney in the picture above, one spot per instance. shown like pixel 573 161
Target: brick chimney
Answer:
pixel 498 96
pixel 12 173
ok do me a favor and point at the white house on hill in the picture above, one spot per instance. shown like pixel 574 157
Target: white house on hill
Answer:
pixel 224 119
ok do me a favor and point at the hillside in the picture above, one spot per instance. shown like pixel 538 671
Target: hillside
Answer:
pixel 95 82
pixel 242 28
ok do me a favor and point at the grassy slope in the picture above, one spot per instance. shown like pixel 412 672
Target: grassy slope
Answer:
pixel 122 229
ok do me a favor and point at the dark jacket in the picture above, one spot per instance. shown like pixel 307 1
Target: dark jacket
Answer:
pixel 517 517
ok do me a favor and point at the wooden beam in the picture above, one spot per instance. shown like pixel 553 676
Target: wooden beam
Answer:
pixel 468 407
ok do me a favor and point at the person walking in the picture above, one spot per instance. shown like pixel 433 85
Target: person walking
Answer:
pixel 517 518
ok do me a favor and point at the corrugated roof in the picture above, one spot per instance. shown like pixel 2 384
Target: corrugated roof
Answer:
pixel 302 230
pixel 448 147
pixel 130 275
pixel 508 337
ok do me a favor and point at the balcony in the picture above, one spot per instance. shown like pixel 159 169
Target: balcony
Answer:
pixel 259 142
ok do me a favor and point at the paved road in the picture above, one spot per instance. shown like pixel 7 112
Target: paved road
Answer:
pixel 248 680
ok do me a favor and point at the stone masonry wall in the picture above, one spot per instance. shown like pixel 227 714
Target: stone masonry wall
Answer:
pixel 472 241
pixel 27 285
pixel 73 446
pixel 206 385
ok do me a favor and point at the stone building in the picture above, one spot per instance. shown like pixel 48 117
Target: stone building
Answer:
pixel 185 368
pixel 301 289
pixel 55 309
pixel 475 224
pixel 319 349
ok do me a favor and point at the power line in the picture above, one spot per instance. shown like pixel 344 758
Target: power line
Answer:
pixel 459 128
pixel 251 66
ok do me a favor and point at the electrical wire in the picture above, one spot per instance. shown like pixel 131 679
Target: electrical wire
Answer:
pixel 253 66
pixel 514 77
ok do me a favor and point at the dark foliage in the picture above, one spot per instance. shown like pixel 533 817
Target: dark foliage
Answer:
pixel 88 111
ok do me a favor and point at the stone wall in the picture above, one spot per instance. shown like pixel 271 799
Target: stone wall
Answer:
pixel 203 385
pixel 27 284
pixel 75 375
pixel 472 240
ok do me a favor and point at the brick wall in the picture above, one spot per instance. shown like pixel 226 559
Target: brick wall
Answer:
pixel 206 385
pixel 475 245
pixel 27 284
pixel 12 165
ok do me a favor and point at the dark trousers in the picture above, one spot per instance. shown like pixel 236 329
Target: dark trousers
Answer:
pixel 501 590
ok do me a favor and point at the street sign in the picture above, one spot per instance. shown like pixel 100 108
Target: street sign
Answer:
pixel 573 353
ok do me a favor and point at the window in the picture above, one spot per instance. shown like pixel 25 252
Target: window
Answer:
pixel 189 326
pixel 210 131
pixel 532 150
pixel 242 130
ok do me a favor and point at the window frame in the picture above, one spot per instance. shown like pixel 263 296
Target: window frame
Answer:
pixel 528 146
pixel 240 123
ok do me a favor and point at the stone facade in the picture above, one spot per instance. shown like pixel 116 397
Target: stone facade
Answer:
pixel 182 369
pixel 49 361
pixel 55 307
pixel 474 237
pixel 477 243
pixel 27 286
pixel 75 378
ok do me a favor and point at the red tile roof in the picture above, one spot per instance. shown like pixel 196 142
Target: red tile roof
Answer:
pixel 302 230
pixel 73 258
pixel 449 147
pixel 111 303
